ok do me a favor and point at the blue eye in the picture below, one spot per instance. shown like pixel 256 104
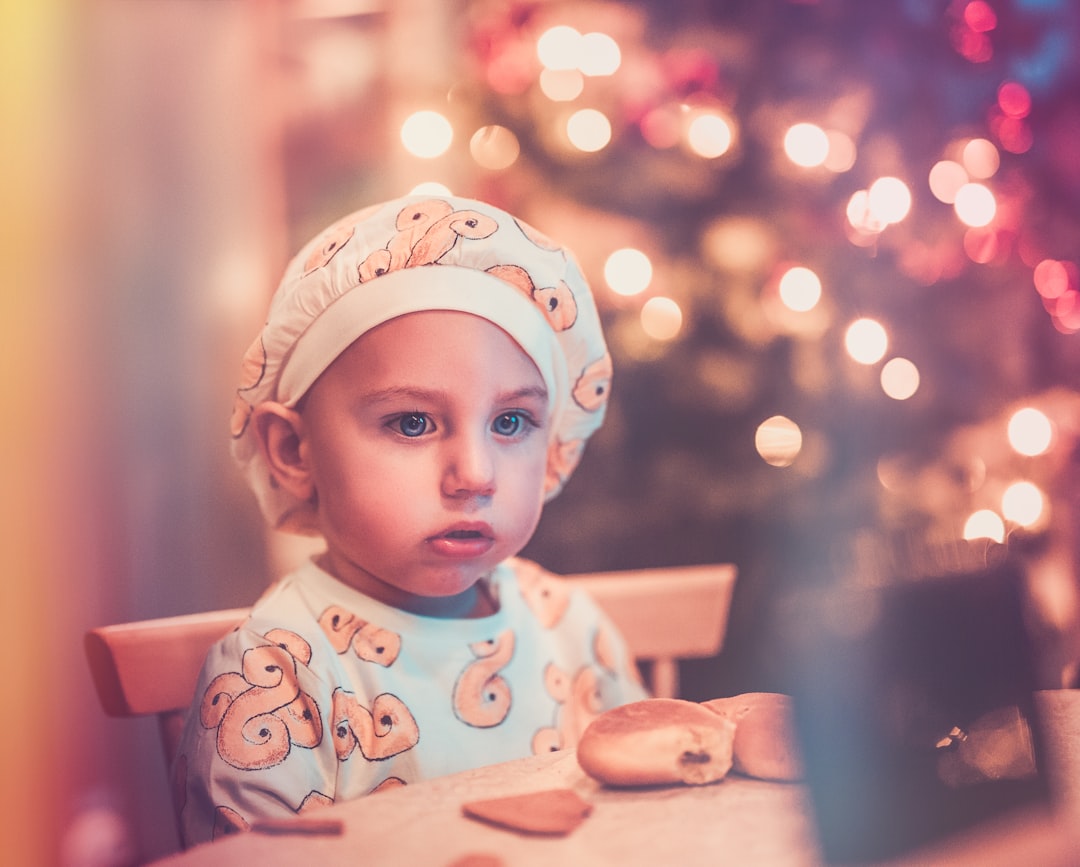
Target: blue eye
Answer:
pixel 412 425
pixel 508 424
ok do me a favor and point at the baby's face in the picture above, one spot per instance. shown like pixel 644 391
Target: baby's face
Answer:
pixel 427 441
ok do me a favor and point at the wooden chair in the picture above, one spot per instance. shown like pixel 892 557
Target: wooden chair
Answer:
pixel 665 614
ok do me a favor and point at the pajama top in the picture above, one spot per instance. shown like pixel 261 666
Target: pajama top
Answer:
pixel 324 694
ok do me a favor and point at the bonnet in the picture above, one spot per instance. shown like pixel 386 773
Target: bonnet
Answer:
pixel 425 253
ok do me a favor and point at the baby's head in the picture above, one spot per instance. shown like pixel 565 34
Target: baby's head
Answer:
pixel 416 254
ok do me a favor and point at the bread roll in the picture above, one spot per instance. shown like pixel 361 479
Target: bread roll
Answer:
pixel 765 743
pixel 657 741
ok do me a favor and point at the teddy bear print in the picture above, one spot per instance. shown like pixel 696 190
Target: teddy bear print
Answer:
pixel 594 385
pixel 252 370
pixel 426 231
pixel 481 696
pixel 388 783
pixel 579 704
pixel 314 800
pixel 546 597
pixel 332 241
pixel 260 712
pixel 228 822
pixel 385 730
pixel 370 642
pixel 557 302
pixel 411 224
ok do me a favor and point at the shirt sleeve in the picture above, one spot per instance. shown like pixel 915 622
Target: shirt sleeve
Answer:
pixel 255 744
pixel 622 678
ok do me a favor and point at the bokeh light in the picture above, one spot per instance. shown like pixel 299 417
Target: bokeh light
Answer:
pixel 946 179
pixel 661 318
pixel 494 147
pixel 628 271
pixel 866 341
pixel 430 188
pixel 1023 503
pixel 1058 284
pixel 975 205
pixel 860 216
pixel 980 16
pixel 1052 278
pixel 739 244
pixel 778 440
pixel 662 126
pixel 800 289
pixel 899 378
pixel 889 199
pixel 985 524
pixel 1014 133
pixel 589 130
pixel 806 145
pixel 559 47
pixel 841 155
pixel 981 158
pixel 709 135
pixel 563 48
pixel 600 54
pixel 1030 431
pixel 427 134
pixel 561 85
pixel 1014 99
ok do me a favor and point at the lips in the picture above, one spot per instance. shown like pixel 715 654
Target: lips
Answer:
pixel 464 540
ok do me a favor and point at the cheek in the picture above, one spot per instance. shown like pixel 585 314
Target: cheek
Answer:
pixel 353 480
pixel 529 480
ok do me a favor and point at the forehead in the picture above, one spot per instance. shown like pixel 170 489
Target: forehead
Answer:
pixel 438 348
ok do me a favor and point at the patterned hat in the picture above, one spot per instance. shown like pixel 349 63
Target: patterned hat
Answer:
pixel 425 253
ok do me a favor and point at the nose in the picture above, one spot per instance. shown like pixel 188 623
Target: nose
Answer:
pixel 470 467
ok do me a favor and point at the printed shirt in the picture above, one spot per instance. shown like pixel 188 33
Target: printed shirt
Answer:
pixel 324 694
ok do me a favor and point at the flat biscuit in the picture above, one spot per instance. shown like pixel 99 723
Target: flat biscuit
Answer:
pixel 552 812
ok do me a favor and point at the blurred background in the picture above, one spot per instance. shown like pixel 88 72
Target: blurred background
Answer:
pixel 835 245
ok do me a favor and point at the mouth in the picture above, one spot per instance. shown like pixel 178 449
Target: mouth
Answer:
pixel 468 532
pixel 463 540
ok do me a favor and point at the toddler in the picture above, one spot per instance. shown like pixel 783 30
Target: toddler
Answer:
pixel 426 379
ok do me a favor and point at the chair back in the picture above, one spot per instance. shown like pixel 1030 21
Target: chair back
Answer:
pixel 150 667
pixel 665 614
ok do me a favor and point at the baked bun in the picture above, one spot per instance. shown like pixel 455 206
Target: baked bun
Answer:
pixel 657 741
pixel 765 744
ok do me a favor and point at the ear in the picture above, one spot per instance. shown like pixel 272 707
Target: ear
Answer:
pixel 282 440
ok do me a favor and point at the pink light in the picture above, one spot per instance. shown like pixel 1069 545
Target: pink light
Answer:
pixel 1014 99
pixel 980 17
pixel 971 45
pixel 1052 278
pixel 1065 311
pixel 1014 133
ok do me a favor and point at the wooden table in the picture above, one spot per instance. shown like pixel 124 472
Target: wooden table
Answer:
pixel 738 821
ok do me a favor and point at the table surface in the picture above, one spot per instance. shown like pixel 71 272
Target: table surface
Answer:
pixel 736 821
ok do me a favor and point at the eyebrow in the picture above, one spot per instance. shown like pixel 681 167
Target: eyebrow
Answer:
pixel 425 395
